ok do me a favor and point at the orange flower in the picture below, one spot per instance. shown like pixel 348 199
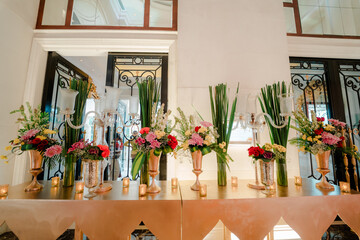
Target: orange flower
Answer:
pixel 105 150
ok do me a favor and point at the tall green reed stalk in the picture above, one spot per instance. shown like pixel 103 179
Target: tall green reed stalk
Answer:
pixel 149 93
pixel 73 135
pixel 270 104
pixel 223 120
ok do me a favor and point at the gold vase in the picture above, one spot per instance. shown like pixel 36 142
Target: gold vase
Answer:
pixel 91 176
pixel 267 176
pixel 322 161
pixel 36 160
pixel 197 165
pixel 153 171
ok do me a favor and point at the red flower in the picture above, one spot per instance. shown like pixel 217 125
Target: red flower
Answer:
pixel 320 119
pixel 256 151
pixel 145 130
pixel 42 145
pixel 172 142
pixel 339 144
pixel 36 141
pixel 319 131
pixel 197 128
pixel 105 150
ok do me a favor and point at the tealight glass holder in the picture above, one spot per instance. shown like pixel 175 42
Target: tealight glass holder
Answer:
pixel 55 181
pixel 174 183
pixel 345 187
pixel 4 190
pixel 203 190
pixel 234 181
pixel 126 182
pixel 79 187
pixel 142 190
pixel 298 181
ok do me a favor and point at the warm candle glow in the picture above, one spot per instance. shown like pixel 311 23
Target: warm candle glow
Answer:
pixel 4 190
pixel 298 181
pixel 55 181
pixel 126 182
pixel 142 190
pixel 234 181
pixel 345 187
pixel 174 182
pixel 79 188
pixel 203 190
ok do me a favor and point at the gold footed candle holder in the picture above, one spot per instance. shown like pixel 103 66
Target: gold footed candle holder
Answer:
pixel 197 163
pixel 103 187
pixel 35 169
pixel 322 160
pixel 153 171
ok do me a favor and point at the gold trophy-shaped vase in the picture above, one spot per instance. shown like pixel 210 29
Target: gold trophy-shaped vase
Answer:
pixel 322 160
pixel 153 171
pixel 197 162
pixel 36 160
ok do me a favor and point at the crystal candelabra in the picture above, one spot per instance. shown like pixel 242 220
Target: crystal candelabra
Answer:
pixel 256 121
pixel 105 112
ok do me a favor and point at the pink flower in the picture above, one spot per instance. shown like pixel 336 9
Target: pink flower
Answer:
pixel 206 124
pixel 155 144
pixel 29 134
pixel 53 150
pixel 140 141
pixel 196 139
pixel 79 145
pixel 150 137
pixel 337 123
pixel 329 139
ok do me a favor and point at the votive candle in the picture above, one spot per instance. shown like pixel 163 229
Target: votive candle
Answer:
pixel 174 182
pixel 126 182
pixel 79 187
pixel 55 181
pixel 345 187
pixel 234 181
pixel 203 190
pixel 298 180
pixel 4 190
pixel 142 190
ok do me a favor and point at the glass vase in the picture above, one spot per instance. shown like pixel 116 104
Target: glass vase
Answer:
pixel 91 176
pixel 197 164
pixel 221 173
pixel 153 171
pixel 69 172
pixel 144 173
pixel 281 172
pixel 267 176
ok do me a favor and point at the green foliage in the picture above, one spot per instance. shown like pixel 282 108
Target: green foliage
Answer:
pixel 83 87
pixel 270 104
pixel 149 96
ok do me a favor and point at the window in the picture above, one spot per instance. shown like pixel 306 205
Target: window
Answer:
pixel 323 18
pixel 108 14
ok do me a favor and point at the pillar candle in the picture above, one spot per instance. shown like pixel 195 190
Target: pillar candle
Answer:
pixel 4 190
pixel 234 181
pixel 345 187
pixel 79 188
pixel 142 190
pixel 126 182
pixel 55 181
pixel 203 190
pixel 174 182
pixel 298 180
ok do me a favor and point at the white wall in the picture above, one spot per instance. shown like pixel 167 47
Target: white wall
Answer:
pixel 17 20
pixel 229 41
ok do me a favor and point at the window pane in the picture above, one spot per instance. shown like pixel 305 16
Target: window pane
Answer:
pixel 290 20
pixel 331 20
pixel 308 3
pixel 55 12
pixel 329 3
pixel 351 21
pixel 288 1
pixel 310 19
pixel 161 13
pixel 108 12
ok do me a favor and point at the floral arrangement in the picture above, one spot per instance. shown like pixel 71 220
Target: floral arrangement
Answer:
pixel 267 152
pixel 201 137
pixel 86 150
pixel 316 136
pixel 157 137
pixel 34 134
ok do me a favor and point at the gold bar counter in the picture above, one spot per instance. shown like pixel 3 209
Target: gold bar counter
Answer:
pixel 45 215
pixel 176 214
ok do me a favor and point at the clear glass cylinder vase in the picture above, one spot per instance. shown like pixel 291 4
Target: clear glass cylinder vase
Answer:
pixel 144 173
pixel 281 173
pixel 69 172
pixel 221 173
